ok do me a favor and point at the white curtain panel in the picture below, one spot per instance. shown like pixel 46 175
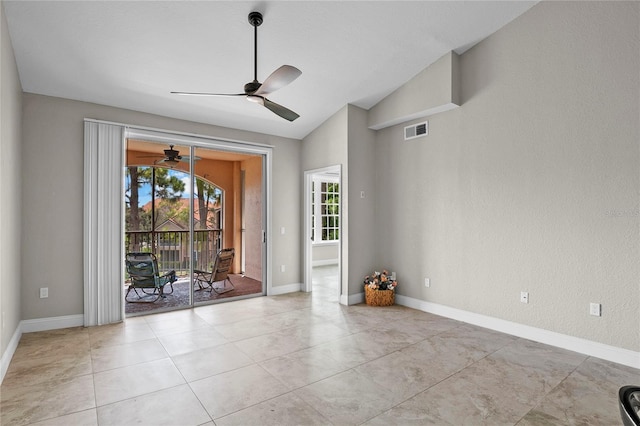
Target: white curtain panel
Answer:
pixel 103 251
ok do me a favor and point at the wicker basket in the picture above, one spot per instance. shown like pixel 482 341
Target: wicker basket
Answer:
pixel 378 297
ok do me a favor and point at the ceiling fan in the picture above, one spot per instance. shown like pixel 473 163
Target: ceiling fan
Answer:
pixel 255 91
pixel 171 157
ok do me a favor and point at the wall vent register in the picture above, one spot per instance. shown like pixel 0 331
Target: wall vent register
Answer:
pixel 416 130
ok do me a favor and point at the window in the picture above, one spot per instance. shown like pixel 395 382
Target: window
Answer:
pixel 325 210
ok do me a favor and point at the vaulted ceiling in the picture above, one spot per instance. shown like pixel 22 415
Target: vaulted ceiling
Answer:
pixel 131 54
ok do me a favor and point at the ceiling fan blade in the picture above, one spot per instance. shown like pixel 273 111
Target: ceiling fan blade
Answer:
pixel 283 112
pixel 208 94
pixel 278 79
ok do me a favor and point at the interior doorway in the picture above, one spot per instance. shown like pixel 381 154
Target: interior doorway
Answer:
pixel 191 201
pixel 323 224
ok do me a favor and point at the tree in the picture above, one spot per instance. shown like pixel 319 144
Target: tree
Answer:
pixel 166 186
pixel 207 195
pixel 131 194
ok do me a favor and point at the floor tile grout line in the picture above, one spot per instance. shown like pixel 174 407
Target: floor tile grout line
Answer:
pixel 201 403
pixel 543 397
pixel 288 392
pixel 438 382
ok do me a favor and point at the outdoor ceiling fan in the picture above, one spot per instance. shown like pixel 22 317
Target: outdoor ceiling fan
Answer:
pixel 255 91
pixel 171 157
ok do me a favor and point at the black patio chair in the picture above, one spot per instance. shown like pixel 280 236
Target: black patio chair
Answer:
pixel 144 275
pixel 219 273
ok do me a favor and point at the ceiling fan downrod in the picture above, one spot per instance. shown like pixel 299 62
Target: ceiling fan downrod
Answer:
pixel 255 19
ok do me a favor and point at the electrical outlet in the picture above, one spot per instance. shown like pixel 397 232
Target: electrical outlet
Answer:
pixel 524 297
pixel 282 230
pixel 361 194
pixel 427 282
pixel 281 268
pixel 595 309
pixel 44 292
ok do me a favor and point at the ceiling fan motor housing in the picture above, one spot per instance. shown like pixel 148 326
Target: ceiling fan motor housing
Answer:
pixel 252 87
pixel 171 153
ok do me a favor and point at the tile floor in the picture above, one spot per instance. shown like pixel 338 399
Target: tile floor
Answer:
pixel 302 359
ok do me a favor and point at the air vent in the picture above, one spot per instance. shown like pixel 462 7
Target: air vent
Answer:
pixel 416 130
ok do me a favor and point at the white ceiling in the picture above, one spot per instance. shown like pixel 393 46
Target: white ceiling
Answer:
pixel 131 54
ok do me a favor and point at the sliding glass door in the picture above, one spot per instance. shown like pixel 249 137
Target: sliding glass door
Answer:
pixel 158 211
pixel 185 204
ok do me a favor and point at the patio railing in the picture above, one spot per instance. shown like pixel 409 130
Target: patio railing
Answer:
pixel 172 248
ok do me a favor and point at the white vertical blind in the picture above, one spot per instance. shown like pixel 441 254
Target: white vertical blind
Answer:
pixel 103 252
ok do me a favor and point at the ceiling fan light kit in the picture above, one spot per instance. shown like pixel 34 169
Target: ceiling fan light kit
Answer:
pixel 171 157
pixel 171 163
pixel 255 91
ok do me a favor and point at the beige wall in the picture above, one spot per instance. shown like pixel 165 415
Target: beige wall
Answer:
pixel 10 194
pixel 52 174
pixel 360 212
pixel 287 200
pixel 533 183
pixel 327 146
pixel 439 89
pixel 345 140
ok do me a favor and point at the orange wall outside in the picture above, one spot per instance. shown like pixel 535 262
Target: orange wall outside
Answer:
pixel 253 217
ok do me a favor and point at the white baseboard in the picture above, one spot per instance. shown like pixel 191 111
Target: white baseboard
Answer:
pixel 8 353
pixel 284 289
pixel 325 262
pixel 353 299
pixel 576 344
pixel 53 323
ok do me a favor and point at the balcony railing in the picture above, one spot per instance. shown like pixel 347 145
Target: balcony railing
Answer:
pixel 172 248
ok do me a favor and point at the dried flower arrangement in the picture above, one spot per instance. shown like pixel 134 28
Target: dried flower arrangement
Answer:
pixel 380 281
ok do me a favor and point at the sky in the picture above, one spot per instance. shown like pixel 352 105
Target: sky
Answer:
pixel 144 193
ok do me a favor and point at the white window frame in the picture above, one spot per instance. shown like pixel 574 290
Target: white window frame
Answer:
pixel 316 217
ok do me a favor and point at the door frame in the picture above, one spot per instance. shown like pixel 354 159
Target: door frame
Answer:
pixel 205 142
pixel 308 245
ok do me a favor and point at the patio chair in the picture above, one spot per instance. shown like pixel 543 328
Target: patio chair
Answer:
pixel 144 276
pixel 219 273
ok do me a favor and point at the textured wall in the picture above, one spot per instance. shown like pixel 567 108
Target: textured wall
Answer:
pixel 362 165
pixel 533 183
pixel 438 85
pixel 10 214
pixel 287 202
pixel 327 146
